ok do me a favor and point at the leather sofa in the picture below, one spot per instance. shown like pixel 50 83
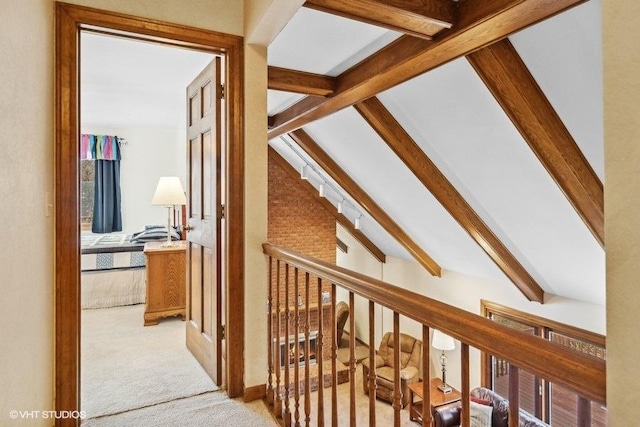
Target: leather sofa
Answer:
pixel 449 415
pixel 410 350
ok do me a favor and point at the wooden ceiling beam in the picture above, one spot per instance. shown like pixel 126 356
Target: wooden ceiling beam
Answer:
pixel 479 24
pixel 300 82
pixel 512 85
pixel 401 143
pixel 419 18
pixel 357 234
pixel 307 143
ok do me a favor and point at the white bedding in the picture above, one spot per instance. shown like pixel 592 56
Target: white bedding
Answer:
pixel 111 288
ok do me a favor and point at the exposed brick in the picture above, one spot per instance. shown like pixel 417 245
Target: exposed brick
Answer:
pixel 298 222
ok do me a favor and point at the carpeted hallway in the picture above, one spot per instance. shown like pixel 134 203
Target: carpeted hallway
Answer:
pixel 144 376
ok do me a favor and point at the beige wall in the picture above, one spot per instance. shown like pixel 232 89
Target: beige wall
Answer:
pixel 621 38
pixel 461 291
pixel 26 168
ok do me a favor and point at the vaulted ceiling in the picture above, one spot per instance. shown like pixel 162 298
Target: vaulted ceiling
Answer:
pixel 466 135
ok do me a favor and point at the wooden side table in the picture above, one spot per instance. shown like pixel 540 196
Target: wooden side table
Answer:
pixel 166 281
pixel 438 398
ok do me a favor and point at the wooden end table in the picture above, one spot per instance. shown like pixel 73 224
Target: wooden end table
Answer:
pixel 438 398
pixel 166 288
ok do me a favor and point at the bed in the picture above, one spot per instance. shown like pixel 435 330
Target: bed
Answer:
pixel 113 270
pixel 113 266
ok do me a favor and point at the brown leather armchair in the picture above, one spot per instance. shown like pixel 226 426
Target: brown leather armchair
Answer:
pixel 410 350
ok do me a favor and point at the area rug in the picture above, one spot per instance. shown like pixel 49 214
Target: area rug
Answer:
pixel 125 365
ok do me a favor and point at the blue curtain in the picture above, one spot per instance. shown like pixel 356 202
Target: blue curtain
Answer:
pixel 107 216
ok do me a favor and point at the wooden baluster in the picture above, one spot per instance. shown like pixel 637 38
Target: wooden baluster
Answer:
pixel 319 357
pixel 352 360
pixel 397 393
pixel 296 349
pixel 334 360
pixel 270 335
pixel 464 365
pixel 514 396
pixel 584 412
pixel 287 346
pixel 307 352
pixel 426 378
pixel 277 408
pixel 372 363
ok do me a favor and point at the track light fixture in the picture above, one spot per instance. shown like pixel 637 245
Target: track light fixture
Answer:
pixel 343 204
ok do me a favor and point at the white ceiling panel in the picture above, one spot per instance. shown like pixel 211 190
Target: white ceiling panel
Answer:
pixel 564 55
pixel 325 44
pixel 349 140
pixel 459 125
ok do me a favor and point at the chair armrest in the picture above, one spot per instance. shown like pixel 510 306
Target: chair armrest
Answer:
pixel 379 361
pixel 447 415
pixel 408 373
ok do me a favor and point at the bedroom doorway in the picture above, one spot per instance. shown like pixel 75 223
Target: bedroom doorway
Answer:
pixel 70 20
pixel 133 122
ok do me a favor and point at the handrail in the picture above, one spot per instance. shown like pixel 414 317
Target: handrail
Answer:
pixel 580 373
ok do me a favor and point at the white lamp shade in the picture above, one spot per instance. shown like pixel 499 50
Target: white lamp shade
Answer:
pixel 169 192
pixel 441 341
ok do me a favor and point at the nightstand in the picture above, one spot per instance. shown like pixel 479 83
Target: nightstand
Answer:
pixel 166 281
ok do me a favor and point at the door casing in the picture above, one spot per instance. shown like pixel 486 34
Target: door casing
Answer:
pixel 70 20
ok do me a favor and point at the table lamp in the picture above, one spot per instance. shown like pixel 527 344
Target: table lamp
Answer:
pixel 443 342
pixel 169 193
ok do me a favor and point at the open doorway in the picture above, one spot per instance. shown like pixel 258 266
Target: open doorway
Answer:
pixel 70 20
pixel 133 116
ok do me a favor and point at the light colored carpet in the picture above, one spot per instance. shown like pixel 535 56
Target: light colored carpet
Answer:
pixel 344 354
pixel 210 409
pixel 125 365
pixel 384 410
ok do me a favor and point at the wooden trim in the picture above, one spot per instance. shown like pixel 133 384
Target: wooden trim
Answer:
pixel 487 307
pixel 67 233
pixel 401 143
pixel 578 372
pixel 300 82
pixel 70 19
pixel 466 387
pixel 357 234
pixel 514 395
pixel 512 85
pixel 342 245
pixel 416 18
pixel 479 24
pixel 363 199
pixel 255 392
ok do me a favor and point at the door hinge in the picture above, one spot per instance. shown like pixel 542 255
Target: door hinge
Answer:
pixel 221 91
pixel 222 332
pixel 222 211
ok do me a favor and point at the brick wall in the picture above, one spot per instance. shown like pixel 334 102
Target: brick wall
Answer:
pixel 299 223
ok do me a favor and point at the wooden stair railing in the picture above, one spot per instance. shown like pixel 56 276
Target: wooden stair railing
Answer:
pixel 579 373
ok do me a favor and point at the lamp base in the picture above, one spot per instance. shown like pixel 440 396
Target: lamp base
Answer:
pixel 445 388
pixel 168 245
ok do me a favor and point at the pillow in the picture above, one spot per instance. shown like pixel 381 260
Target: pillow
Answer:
pixel 480 401
pixel 480 414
